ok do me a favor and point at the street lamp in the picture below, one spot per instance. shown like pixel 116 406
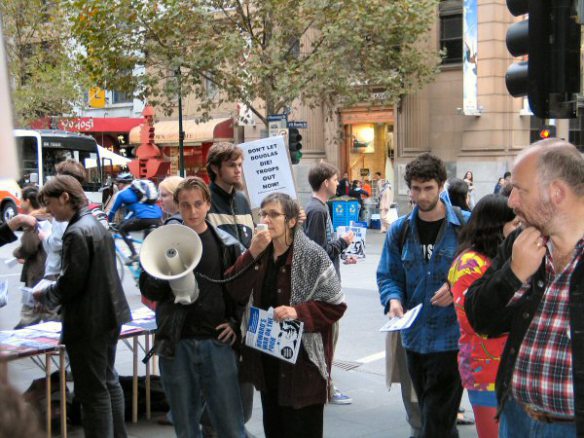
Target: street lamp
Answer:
pixel 181 133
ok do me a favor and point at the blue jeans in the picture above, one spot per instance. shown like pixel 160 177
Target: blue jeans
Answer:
pixel 515 423
pixel 203 367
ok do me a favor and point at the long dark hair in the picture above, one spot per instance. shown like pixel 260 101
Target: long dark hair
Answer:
pixel 484 231
pixel 457 192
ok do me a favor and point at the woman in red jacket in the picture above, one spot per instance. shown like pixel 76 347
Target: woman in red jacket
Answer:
pixel 478 357
pixel 295 276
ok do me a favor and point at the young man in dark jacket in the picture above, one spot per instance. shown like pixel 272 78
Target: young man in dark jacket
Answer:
pixel 195 341
pixel 230 210
pixel 93 307
pixel 534 290
pixel 324 179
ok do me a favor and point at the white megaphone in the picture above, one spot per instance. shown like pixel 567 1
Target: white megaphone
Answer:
pixel 171 253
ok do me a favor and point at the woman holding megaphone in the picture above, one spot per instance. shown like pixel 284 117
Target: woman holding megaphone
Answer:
pixel 197 320
pixel 296 277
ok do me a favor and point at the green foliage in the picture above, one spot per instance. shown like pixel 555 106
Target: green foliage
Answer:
pixel 268 51
pixel 45 81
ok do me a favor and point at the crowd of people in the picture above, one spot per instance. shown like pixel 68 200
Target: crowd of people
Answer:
pixel 498 281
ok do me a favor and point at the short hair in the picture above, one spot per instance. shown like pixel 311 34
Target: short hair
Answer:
pixel 320 173
pixel 457 193
pixel 559 159
pixel 60 184
pixel 72 168
pixel 18 418
pixel 193 183
pixel 484 230
pixel 31 194
pixel 220 152
pixel 290 207
pixel 424 168
pixel 170 183
pixel 506 175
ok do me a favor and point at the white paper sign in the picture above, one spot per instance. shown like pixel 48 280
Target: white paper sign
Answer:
pixel 266 169
pixel 357 247
pixel 279 339
pixel 396 323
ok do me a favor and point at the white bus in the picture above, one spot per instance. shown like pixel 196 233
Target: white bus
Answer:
pixel 39 150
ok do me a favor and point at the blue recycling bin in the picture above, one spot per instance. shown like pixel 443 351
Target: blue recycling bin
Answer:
pixel 344 210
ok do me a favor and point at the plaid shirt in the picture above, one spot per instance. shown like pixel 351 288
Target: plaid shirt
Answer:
pixel 542 377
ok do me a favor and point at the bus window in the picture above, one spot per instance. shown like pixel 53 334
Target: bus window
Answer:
pixel 26 148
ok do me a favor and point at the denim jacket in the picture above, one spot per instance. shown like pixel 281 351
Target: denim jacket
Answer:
pixel 410 279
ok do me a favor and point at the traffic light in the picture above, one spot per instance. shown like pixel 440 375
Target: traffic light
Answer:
pixel 550 37
pixel 294 145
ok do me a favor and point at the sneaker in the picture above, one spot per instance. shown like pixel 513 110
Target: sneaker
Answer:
pixel 339 398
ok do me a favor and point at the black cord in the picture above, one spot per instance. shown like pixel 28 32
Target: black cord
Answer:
pixel 228 279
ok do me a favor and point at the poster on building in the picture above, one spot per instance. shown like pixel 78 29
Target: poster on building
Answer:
pixel 266 169
pixel 470 58
pixel 279 339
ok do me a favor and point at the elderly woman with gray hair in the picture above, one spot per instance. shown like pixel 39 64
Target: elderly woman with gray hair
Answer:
pixel 295 276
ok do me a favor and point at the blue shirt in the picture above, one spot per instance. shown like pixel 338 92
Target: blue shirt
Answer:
pixel 408 278
pixel 138 210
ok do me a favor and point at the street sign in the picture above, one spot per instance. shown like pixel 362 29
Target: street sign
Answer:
pixel 276 124
pixel 298 124
pixel 277 117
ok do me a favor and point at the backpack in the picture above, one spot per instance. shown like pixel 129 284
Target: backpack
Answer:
pixel 405 227
pixel 146 191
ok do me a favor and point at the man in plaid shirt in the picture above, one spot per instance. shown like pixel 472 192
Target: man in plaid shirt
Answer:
pixel 534 290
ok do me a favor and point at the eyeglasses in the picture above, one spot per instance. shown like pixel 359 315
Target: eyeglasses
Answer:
pixel 270 214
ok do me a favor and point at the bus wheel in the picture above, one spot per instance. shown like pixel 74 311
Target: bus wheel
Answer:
pixel 8 211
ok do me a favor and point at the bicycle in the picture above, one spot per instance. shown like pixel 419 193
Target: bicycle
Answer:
pixel 123 259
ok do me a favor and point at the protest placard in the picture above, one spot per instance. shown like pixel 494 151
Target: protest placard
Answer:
pixel 266 169
pixel 279 339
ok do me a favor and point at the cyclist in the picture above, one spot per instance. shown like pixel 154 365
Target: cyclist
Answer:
pixel 141 215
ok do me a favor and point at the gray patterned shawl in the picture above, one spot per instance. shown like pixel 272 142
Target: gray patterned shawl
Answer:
pixel 313 278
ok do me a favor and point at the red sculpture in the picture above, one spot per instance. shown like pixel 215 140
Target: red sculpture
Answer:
pixel 148 163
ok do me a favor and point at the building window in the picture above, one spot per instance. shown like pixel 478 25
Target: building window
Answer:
pixel 118 97
pixel 451 30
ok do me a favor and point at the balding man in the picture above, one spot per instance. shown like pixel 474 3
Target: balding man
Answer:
pixel 534 290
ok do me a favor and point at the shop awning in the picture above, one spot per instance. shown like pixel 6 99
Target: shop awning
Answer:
pixel 116 160
pixel 166 132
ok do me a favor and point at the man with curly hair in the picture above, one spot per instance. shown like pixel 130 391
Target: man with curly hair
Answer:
pixel 413 269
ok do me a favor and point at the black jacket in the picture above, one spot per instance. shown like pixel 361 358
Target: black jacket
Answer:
pixel 317 216
pixel 231 212
pixel 171 317
pixel 6 235
pixel 487 311
pixel 88 288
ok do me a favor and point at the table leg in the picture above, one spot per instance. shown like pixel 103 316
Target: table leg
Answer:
pixel 148 406
pixel 48 394
pixel 3 372
pixel 63 382
pixel 135 380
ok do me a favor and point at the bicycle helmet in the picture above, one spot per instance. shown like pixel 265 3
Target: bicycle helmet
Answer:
pixel 125 177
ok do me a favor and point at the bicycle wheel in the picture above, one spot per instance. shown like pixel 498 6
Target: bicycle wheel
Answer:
pixel 120 266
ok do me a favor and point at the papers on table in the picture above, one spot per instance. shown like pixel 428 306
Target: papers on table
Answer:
pixel 396 323
pixel 279 339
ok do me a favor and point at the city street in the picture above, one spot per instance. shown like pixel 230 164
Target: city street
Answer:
pixel 359 369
